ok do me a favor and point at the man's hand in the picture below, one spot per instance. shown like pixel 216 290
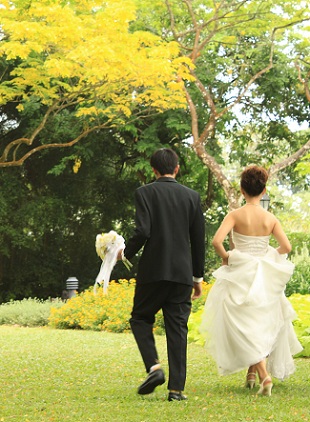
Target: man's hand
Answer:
pixel 197 291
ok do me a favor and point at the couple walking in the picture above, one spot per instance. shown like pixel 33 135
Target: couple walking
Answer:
pixel 247 316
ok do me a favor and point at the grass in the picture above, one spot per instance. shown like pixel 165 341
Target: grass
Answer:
pixel 63 375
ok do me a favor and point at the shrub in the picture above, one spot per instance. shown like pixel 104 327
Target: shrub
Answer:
pixel 194 322
pixel 99 312
pixel 298 240
pixel 301 305
pixel 27 312
pixel 110 312
pixel 300 280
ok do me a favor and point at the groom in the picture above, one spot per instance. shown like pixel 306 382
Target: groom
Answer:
pixel 170 228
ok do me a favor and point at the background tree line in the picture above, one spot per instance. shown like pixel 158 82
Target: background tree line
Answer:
pixel 222 83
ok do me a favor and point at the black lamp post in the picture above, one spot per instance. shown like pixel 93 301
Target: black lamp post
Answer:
pixel 264 202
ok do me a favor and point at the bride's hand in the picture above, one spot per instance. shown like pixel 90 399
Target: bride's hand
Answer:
pixel 225 260
pixel 120 255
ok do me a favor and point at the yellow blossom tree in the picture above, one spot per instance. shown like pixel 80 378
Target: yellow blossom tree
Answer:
pixel 81 56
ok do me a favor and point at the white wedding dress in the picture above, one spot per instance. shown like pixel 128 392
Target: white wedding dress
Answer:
pixel 247 316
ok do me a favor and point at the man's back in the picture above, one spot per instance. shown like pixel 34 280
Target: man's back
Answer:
pixel 169 221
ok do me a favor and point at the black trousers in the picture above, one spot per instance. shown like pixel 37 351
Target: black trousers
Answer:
pixel 175 301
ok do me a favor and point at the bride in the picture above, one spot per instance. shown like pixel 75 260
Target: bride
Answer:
pixel 247 317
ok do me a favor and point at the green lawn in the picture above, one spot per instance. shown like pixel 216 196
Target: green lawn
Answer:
pixel 55 375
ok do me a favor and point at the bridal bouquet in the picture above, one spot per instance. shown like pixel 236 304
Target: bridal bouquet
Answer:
pixel 108 246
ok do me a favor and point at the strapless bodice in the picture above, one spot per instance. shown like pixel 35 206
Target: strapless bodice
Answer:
pixel 253 245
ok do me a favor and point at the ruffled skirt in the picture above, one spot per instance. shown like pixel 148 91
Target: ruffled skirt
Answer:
pixel 247 316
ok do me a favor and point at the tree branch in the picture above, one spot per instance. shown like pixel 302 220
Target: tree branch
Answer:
pixel 304 81
pixel 21 160
pixel 289 160
pixel 28 141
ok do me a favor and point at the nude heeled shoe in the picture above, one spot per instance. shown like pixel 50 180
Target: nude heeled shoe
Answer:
pixel 265 386
pixel 250 382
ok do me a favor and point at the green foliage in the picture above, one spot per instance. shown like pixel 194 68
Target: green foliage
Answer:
pixel 300 280
pixel 303 167
pixel 27 312
pixel 48 221
pixel 298 242
pixel 247 89
pixel 291 206
pixel 194 323
pixel 301 304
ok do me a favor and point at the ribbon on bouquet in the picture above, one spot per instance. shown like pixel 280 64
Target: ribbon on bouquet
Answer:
pixel 108 246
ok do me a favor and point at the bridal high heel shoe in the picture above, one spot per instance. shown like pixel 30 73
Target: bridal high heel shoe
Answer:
pixel 265 386
pixel 250 380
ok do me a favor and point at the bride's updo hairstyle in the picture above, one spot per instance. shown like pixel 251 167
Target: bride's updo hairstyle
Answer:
pixel 253 180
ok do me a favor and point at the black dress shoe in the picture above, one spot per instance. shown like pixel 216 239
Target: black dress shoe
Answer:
pixel 176 397
pixel 153 379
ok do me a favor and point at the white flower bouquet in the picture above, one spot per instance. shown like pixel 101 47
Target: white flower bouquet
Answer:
pixel 108 246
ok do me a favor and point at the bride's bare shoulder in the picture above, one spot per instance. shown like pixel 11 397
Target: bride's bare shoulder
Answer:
pixel 271 216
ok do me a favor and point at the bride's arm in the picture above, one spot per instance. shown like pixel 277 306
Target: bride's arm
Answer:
pixel 284 243
pixel 217 242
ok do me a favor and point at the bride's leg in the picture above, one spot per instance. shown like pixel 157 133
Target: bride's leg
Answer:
pixel 264 379
pixel 252 369
pixel 261 370
pixel 251 377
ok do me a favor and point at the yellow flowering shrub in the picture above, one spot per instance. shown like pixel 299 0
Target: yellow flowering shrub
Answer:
pixel 100 312
pixel 106 312
pixel 301 305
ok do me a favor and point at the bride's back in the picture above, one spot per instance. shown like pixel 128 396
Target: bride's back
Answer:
pixel 253 220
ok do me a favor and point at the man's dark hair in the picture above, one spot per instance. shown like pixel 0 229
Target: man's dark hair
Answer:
pixel 164 160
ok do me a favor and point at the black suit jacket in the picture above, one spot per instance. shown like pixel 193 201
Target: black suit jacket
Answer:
pixel 170 226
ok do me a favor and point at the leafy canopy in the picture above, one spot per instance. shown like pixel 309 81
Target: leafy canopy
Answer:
pixel 82 56
pixel 246 54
